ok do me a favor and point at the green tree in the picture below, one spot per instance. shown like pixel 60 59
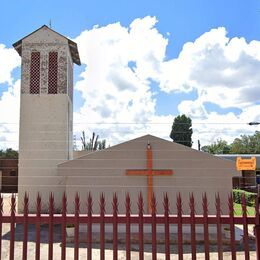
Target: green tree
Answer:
pixel 182 130
pixel 219 147
pixel 246 144
pixel 93 144
pixel 9 153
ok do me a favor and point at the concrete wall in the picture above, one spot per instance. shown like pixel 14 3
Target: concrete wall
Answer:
pixel 105 171
pixel 46 133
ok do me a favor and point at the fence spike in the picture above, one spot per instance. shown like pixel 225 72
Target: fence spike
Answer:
pixel 38 204
pixel 217 204
pixel 1 204
pixel 140 204
pixel 77 203
pixel 51 203
pixel 13 204
pixel 115 204
pixel 153 204
pixel 205 203
pixel 192 204
pixel 179 204
pixel 90 204
pixel 166 204
pixel 102 203
pixel 127 203
pixel 26 203
pixel 231 204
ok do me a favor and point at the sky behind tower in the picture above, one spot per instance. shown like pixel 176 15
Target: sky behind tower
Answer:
pixel 143 63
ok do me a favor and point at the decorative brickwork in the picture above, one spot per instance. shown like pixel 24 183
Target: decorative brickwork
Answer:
pixel 53 73
pixel 35 73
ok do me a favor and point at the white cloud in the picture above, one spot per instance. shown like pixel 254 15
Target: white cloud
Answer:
pixel 116 88
pixel 121 62
pixel 9 116
pixel 9 59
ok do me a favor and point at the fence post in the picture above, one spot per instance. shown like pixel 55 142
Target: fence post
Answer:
pixel 257 228
pixel 166 206
pixel 115 227
pixel 25 225
pixel 12 225
pixel 38 226
pixel 193 227
pixel 76 230
pixel 179 215
pixel 63 227
pixel 206 225
pixel 89 243
pixel 128 227
pixel 141 225
pixel 1 216
pixel 153 207
pixel 102 204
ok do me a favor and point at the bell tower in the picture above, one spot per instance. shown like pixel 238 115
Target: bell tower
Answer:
pixel 46 112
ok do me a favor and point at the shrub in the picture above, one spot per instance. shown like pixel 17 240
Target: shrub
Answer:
pixel 249 196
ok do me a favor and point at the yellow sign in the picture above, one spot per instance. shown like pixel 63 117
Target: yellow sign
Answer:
pixel 246 164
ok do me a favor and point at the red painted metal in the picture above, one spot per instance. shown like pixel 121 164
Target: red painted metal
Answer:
pixel 1 219
pixel 153 207
pixel 245 228
pixel 219 231
pixel 51 212
pixel 192 227
pixel 232 227
pixel 128 219
pixel 179 221
pixel 76 230
pixel 128 227
pixel 102 205
pixel 115 222
pixel 205 225
pixel 257 228
pixel 25 225
pixel 166 206
pixel 89 240
pixel 38 227
pixel 141 225
pixel 63 226
pixel 12 225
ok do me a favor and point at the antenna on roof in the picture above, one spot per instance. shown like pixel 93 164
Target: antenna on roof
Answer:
pixel 50 23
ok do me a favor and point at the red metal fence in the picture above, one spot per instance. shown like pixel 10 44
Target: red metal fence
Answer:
pixel 128 220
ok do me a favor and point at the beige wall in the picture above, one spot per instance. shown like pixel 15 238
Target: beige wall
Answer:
pixel 104 171
pixel 46 133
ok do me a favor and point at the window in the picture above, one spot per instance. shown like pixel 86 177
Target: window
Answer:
pixel 35 73
pixel 53 73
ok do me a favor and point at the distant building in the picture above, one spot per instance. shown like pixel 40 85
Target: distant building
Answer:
pixel 8 175
pixel 247 180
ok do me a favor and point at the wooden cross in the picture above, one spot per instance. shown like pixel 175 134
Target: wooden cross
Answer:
pixel 149 172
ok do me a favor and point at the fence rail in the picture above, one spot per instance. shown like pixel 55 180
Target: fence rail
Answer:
pixel 128 219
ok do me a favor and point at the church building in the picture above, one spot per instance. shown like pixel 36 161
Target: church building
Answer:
pixel 147 164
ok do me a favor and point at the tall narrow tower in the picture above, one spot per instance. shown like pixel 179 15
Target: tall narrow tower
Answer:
pixel 46 112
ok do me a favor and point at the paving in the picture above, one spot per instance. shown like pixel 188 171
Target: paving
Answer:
pixel 96 251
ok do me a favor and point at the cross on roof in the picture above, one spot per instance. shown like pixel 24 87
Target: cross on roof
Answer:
pixel 149 172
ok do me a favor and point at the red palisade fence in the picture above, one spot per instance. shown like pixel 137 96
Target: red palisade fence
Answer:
pixel 166 222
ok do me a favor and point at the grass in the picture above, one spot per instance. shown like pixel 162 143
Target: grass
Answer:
pixel 238 210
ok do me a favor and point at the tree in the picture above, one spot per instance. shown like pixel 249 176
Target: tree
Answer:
pixel 246 144
pixel 9 153
pixel 182 130
pixel 219 147
pixel 93 143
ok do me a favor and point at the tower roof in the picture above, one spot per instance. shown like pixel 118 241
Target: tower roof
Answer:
pixel 72 45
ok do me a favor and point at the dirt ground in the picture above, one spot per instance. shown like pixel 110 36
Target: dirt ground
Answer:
pixel 96 251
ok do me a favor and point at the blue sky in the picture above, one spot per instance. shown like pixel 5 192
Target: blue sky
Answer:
pixel 216 88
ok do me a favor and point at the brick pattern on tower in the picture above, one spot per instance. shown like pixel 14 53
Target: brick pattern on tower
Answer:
pixel 35 73
pixel 53 73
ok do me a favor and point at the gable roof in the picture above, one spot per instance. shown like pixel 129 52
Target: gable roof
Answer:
pixel 168 146
pixel 72 45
